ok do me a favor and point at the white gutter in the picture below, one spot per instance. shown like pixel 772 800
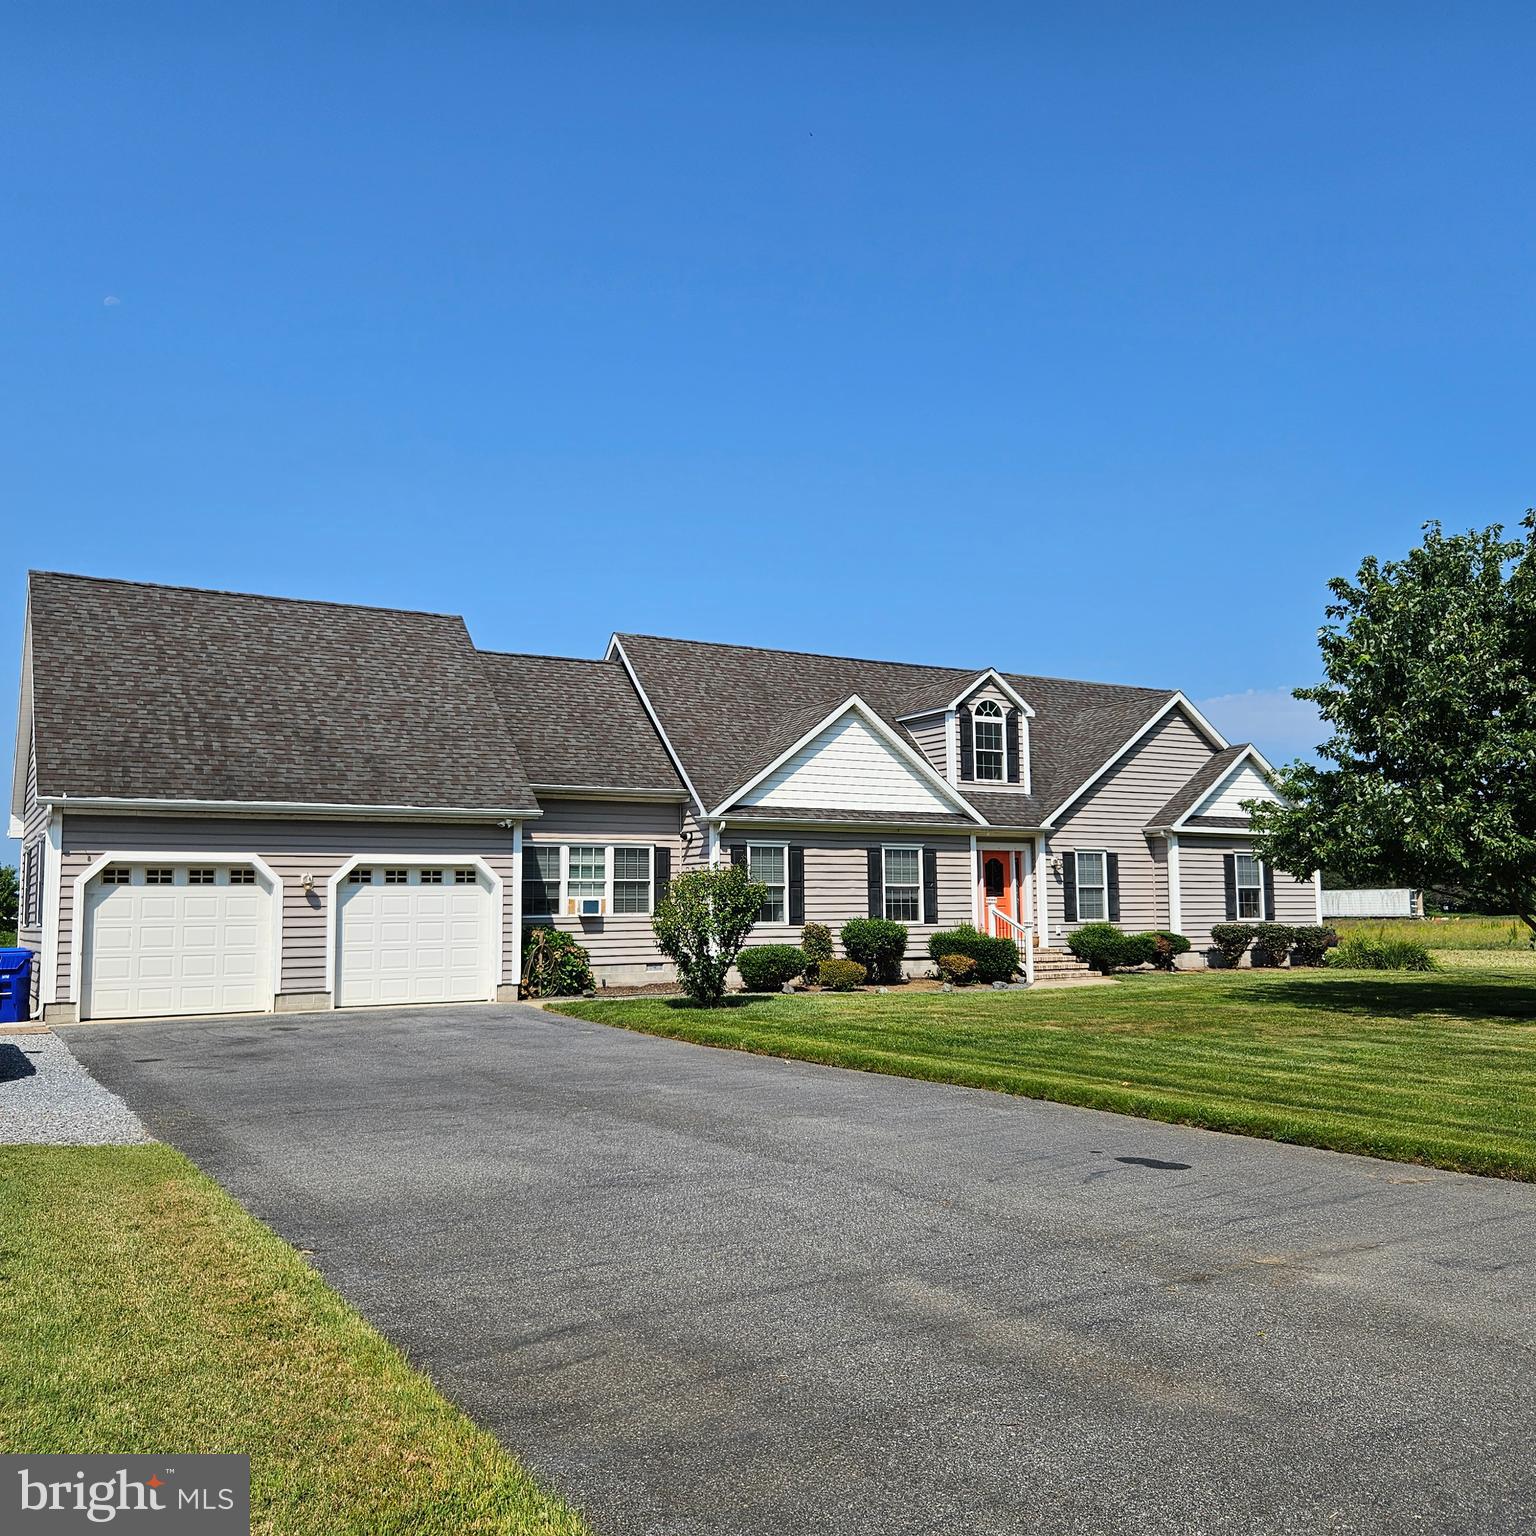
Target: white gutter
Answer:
pixel 132 805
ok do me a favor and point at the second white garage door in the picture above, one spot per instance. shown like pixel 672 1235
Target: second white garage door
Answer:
pixel 413 934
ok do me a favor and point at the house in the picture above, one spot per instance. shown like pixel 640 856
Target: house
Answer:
pixel 233 803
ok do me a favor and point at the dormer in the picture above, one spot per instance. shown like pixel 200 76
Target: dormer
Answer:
pixel 980 739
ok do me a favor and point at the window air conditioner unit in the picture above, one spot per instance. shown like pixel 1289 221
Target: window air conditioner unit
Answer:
pixel 590 906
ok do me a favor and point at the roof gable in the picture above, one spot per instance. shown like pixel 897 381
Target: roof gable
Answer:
pixel 852 761
pixel 1244 781
pixel 159 693
pixel 1208 787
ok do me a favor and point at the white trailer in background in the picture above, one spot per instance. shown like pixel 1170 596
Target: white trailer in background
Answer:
pixel 1373 904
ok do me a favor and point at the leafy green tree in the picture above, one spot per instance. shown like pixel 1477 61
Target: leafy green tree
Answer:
pixel 701 924
pixel 1429 775
pixel 8 898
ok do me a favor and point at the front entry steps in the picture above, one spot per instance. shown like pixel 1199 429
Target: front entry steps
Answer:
pixel 1061 965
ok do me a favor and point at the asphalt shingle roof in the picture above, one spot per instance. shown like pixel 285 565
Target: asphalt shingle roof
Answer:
pixel 730 710
pixel 579 724
pixel 174 693
pixel 1201 782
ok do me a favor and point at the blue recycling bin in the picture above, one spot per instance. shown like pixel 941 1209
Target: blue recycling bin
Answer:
pixel 15 986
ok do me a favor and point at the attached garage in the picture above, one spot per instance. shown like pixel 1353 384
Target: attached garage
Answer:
pixel 162 937
pixel 415 932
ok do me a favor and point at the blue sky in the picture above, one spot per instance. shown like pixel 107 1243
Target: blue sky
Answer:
pixel 1085 340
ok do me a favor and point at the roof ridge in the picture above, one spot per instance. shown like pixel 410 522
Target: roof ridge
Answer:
pixel 586 661
pixel 259 597
pixel 877 661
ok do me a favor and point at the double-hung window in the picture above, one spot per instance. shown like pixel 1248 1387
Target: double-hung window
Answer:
pixel 1250 888
pixel 541 881
pixel 1092 887
pixel 586 875
pixel 631 879
pixel 987 733
pixel 768 864
pixel 904 884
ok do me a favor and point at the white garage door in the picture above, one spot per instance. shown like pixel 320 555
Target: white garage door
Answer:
pixel 412 934
pixel 167 939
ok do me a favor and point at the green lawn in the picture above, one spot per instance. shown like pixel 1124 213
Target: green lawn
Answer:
pixel 1478 933
pixel 1437 1069
pixel 141 1310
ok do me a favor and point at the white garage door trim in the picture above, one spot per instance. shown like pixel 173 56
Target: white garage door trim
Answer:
pixel 412 861
pixel 160 856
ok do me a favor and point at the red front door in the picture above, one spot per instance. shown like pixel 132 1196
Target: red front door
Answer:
pixel 999 889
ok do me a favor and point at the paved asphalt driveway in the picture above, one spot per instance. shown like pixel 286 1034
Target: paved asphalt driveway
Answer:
pixel 708 1292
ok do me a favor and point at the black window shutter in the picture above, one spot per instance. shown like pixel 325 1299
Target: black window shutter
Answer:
pixel 876 883
pixel 661 871
pixel 967 744
pixel 930 885
pixel 1013 746
pixel 1229 878
pixel 1069 887
pixel 1269 894
pixel 797 885
pixel 739 855
pixel 1112 861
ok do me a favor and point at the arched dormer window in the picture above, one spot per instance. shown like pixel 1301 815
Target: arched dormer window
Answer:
pixel 991 759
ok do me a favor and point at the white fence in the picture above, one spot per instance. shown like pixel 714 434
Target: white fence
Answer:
pixel 1373 904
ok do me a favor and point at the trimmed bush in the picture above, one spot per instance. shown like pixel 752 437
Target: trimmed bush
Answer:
pixel 996 959
pixel 1167 946
pixel 877 944
pixel 1232 939
pixel 1272 943
pixel 960 970
pixel 841 975
pixel 555 964
pixel 816 941
pixel 1312 943
pixel 1359 953
pixel 701 924
pixel 769 966
pixel 1104 947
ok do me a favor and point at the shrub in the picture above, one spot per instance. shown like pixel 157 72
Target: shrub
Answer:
pixel 1232 939
pixel 1358 953
pixel 555 964
pixel 877 944
pixel 701 924
pixel 768 967
pixel 1272 943
pixel 996 959
pixel 1167 946
pixel 1312 944
pixel 957 969
pixel 1103 946
pixel 816 941
pixel 841 975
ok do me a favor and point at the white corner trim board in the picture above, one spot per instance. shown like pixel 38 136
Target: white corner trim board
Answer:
pixel 418 861
pixel 159 856
pixel 53 874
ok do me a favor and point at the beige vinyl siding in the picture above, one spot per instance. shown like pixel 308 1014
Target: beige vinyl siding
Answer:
pixel 294 848
pixel 1111 815
pixel 1202 882
pixel 34 843
pixel 695 841
pixel 930 734
pixel 837 879
pixel 616 939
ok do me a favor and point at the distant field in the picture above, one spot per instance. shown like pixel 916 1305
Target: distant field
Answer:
pixel 1443 933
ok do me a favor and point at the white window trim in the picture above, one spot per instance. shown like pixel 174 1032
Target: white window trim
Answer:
pixel 885 882
pixel 157 857
pixel 1238 887
pixel 564 899
pixel 1002 725
pixel 785 849
pixel 415 861
pixel 1103 853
